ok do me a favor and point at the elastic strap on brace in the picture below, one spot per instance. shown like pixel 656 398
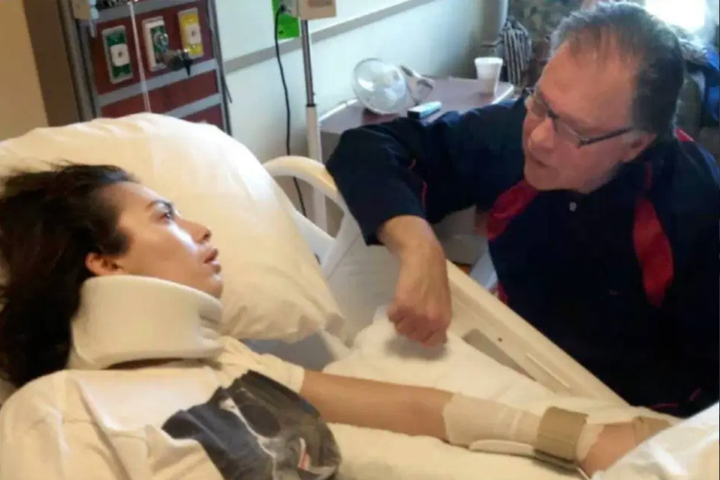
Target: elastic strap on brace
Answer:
pixel 559 436
pixel 561 431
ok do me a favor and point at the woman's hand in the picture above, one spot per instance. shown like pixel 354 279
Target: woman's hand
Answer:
pixel 613 444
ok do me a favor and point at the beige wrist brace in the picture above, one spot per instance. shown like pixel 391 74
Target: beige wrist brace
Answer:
pixel 560 437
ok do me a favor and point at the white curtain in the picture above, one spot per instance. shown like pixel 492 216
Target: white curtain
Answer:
pixel 709 32
pixel 714 10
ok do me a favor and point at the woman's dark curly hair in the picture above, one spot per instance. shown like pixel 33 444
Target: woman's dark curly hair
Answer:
pixel 49 222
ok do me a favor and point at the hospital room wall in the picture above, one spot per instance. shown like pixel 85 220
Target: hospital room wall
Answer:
pixel 440 38
pixel 21 102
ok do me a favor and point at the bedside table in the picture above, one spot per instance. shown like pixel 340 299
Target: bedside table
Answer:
pixel 456 94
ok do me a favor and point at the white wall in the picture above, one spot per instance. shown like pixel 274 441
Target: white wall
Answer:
pixel 438 38
pixel 21 103
pixel 247 26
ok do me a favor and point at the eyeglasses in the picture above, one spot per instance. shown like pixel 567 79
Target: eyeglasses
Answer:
pixel 541 110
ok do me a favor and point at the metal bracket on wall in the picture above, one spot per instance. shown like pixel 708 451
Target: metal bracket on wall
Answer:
pixel 155 83
pixel 196 107
pixel 117 13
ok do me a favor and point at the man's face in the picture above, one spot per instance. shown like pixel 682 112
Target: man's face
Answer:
pixel 593 95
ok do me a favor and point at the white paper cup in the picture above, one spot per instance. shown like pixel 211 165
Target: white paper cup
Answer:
pixel 488 73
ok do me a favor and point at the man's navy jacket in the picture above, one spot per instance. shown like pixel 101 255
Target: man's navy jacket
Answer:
pixel 625 279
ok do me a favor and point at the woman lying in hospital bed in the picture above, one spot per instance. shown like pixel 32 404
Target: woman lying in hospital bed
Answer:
pixel 109 325
pixel 150 382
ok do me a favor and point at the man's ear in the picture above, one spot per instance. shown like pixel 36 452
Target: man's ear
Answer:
pixel 101 265
pixel 638 143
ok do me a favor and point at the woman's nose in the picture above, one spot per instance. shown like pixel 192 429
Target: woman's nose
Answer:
pixel 205 234
pixel 200 233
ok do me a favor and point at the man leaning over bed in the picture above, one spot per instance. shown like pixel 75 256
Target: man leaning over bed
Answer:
pixel 603 218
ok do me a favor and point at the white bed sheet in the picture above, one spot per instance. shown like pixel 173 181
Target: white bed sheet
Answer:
pixel 379 354
pixel 690 451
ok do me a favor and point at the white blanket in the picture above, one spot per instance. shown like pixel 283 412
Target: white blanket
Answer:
pixel 690 451
pixel 379 354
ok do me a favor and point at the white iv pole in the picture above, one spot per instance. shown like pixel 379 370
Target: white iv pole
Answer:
pixel 319 206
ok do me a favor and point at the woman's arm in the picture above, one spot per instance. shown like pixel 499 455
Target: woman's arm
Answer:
pixel 381 406
pixel 462 421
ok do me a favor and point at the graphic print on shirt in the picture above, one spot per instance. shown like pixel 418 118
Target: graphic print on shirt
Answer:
pixel 259 430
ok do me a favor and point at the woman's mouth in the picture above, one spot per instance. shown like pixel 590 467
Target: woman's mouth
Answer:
pixel 212 260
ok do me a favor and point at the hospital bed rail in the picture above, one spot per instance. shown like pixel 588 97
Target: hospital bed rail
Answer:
pixel 363 278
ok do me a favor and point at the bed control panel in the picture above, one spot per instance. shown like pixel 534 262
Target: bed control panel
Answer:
pixel 153 55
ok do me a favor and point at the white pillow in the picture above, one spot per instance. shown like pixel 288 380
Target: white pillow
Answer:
pixel 274 286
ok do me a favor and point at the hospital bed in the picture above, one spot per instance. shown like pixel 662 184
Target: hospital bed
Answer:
pixel 363 278
pixel 488 340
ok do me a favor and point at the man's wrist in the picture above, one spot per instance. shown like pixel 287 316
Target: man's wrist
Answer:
pixel 422 249
pixel 409 237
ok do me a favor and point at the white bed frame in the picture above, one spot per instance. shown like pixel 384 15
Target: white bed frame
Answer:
pixel 363 278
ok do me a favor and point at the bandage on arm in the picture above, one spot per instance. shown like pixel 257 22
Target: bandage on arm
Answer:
pixel 560 437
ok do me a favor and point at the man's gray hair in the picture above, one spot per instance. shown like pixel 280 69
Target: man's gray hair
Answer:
pixel 642 38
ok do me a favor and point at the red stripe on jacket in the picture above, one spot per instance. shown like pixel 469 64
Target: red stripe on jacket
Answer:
pixel 683 136
pixel 508 206
pixel 423 195
pixel 652 245
pixel 652 248
pixel 502 294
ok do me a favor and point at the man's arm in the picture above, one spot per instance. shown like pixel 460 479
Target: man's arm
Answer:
pixel 407 168
pixel 399 177
pixel 422 308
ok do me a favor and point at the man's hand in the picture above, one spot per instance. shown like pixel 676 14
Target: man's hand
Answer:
pixel 421 309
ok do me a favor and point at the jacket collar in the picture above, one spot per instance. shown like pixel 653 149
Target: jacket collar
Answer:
pixel 129 318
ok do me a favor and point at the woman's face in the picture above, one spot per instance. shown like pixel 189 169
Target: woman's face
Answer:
pixel 161 244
